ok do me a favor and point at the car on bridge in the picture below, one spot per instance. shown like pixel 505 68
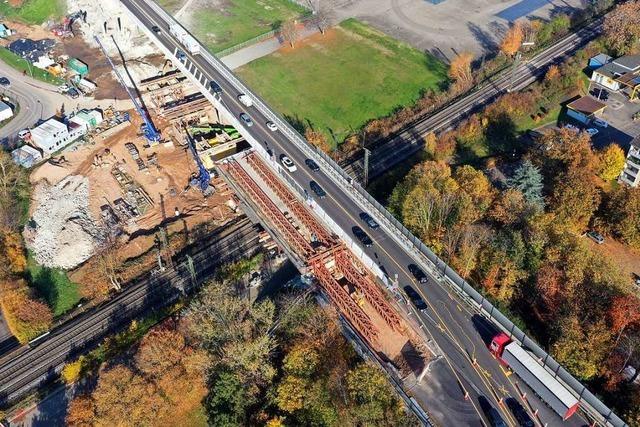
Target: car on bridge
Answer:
pixel 246 119
pixel 272 126
pixel 368 219
pixel 288 163
pixel 418 273
pixel 495 420
pixel 312 165
pixel 156 29
pixel 315 187
pixel 519 413
pixel 415 298
pixel 245 100
pixel 362 236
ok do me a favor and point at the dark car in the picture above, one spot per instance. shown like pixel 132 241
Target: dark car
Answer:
pixel 4 82
pixel 270 152
pixel 362 236
pixel 156 29
pixel 418 273
pixel 492 413
pixel 415 298
pixel 519 413
pixel 317 189
pixel 181 55
pixel 215 87
pixel 73 93
pixel 312 165
pixel 368 219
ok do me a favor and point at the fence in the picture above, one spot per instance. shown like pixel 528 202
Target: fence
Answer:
pixel 411 243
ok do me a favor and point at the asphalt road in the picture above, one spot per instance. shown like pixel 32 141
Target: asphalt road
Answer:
pixel 454 327
pixel 404 144
pixel 31 366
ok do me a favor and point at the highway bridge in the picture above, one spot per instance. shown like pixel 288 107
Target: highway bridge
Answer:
pixel 457 317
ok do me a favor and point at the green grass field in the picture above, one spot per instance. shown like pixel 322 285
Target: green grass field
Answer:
pixel 235 21
pixel 21 64
pixel 54 286
pixel 34 11
pixel 337 82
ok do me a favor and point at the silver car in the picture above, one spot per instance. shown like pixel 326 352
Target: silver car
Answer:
pixel 246 119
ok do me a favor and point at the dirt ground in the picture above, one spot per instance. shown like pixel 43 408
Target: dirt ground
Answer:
pixel 626 258
pixel 166 184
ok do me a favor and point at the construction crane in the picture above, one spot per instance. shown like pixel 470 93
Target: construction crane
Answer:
pixel 150 131
pixel 204 176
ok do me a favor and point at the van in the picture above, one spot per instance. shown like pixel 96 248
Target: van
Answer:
pixel 245 100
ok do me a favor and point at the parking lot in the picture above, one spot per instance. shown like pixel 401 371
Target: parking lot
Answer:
pixel 619 114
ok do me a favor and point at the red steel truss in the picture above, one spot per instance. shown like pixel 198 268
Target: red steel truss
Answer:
pixel 360 279
pixel 294 238
pixel 297 208
pixel 348 307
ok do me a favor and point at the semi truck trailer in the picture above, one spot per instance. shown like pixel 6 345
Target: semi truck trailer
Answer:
pixel 541 381
pixel 185 39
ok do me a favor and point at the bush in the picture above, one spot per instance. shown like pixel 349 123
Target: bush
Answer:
pixel 72 371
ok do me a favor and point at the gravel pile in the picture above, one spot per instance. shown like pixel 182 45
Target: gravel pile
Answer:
pixel 61 232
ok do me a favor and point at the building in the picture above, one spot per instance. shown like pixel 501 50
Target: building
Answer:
pixel 599 60
pixel 585 109
pixel 4 31
pixel 631 173
pixel 87 118
pixel 26 156
pixel 5 111
pixel 33 51
pixel 620 74
pixel 50 136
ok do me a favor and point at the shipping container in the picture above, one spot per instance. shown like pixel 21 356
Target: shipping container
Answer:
pixel 78 66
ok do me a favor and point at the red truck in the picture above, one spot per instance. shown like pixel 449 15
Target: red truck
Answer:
pixel 541 381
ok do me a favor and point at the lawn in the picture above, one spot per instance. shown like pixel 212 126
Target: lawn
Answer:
pixel 60 293
pixel 339 81
pixel 21 64
pixel 228 23
pixel 34 11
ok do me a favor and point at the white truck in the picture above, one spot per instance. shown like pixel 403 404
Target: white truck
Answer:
pixel 185 39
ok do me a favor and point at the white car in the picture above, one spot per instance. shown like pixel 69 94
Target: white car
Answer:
pixel 245 100
pixel 571 127
pixel 24 133
pixel 601 123
pixel 272 126
pixel 592 131
pixel 288 163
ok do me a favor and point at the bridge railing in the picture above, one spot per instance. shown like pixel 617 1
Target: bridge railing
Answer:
pixel 598 410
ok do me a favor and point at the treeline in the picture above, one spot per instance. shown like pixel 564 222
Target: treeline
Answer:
pixel 281 363
pixel 26 314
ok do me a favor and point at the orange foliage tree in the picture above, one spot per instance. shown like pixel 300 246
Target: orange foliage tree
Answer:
pixel 512 39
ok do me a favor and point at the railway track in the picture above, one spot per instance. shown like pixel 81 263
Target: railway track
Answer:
pixel 400 146
pixel 40 363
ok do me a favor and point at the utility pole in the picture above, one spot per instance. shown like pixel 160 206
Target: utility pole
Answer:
pixel 516 62
pixel 367 153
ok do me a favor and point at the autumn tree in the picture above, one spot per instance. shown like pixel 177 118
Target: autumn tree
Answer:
pixel 563 149
pixel 440 148
pixel 289 32
pixel 612 160
pixel 317 139
pixel 509 207
pixel 621 215
pixel 512 39
pixel 478 187
pixel 624 311
pixel 460 69
pixel 81 412
pixel 622 27
pixel 528 180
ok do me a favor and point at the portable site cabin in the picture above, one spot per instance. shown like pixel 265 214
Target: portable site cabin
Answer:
pixel 78 66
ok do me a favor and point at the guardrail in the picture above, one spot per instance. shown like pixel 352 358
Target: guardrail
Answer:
pixel 412 244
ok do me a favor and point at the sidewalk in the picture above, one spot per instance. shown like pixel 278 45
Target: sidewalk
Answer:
pixel 263 48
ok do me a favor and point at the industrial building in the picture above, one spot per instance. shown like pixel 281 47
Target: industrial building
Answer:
pixel 54 135
pixel 26 156
pixel 5 111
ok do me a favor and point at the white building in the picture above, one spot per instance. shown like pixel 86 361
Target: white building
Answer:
pixel 609 74
pixel 631 173
pixel 26 156
pixel 5 111
pixel 51 136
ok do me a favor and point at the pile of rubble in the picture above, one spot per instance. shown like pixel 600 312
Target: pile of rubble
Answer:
pixel 61 232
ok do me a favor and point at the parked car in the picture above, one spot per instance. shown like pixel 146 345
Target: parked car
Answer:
pixel 315 187
pixel 73 93
pixel 492 413
pixel 246 119
pixel 368 219
pixel 24 133
pixel 592 131
pixel 571 127
pixel 288 163
pixel 312 165
pixel 636 278
pixel 601 123
pixel 156 29
pixel 415 298
pixel 596 237
pixel 418 273
pixel 600 93
pixel 4 82
pixel 362 236
pixel 519 413
pixel 272 126
pixel 245 100
pixel 215 87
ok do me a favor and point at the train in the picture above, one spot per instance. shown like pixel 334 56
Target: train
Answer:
pixel 541 381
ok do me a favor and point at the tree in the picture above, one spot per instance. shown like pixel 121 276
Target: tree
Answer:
pixel 289 32
pixel 624 311
pixel 612 162
pixel 476 184
pixel 317 139
pixel 621 214
pixel 512 39
pixel 160 350
pixel 81 412
pixel 622 27
pixel 551 291
pixel 12 250
pixel 228 400
pixel 508 207
pixel 322 18
pixel 528 180
pixel 575 198
pixel 460 69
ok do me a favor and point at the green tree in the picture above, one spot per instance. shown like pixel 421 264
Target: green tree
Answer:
pixel 228 400
pixel 528 180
